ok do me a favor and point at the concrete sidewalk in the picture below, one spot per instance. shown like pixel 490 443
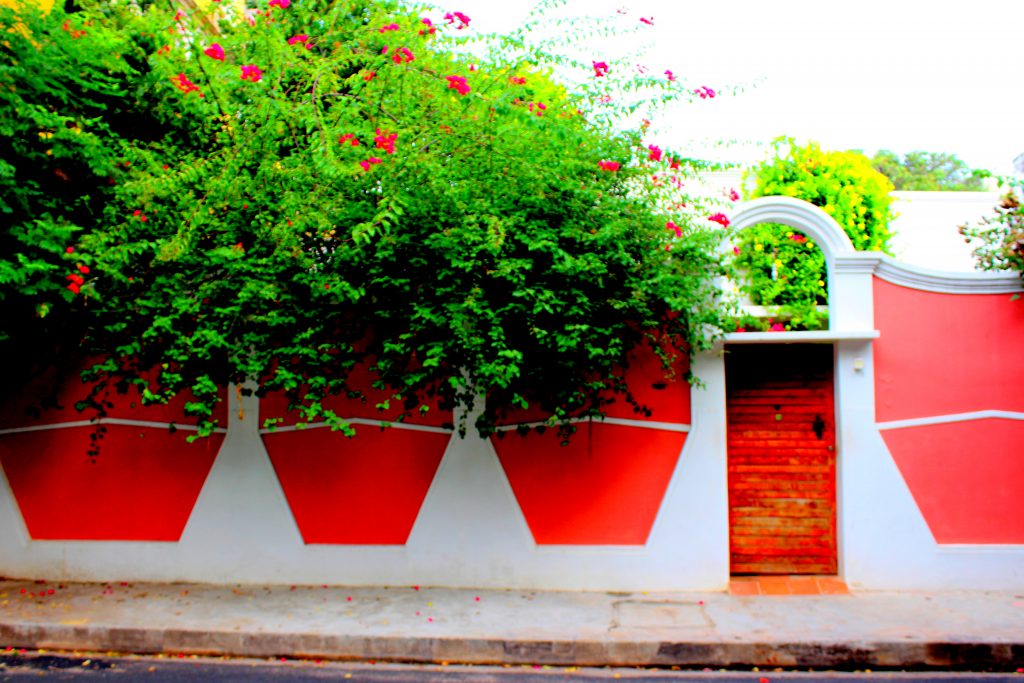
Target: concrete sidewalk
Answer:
pixel 971 630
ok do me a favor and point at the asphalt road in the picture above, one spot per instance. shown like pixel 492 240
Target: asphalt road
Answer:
pixel 19 668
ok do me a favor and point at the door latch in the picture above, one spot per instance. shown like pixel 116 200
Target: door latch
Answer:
pixel 818 426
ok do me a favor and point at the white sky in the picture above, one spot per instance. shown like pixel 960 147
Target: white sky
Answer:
pixel 939 76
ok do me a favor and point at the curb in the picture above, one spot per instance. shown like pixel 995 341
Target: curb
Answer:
pixel 649 653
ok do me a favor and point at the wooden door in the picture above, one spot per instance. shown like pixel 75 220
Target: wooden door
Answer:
pixel 782 459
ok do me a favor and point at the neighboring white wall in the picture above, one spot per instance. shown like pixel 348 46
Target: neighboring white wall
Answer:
pixel 926 227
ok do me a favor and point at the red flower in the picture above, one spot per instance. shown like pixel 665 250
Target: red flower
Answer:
pixel 215 51
pixel 518 80
pixel 777 327
pixel 430 28
pixel 458 84
pixel 798 238
pixel 183 84
pixel 69 250
pixel 350 138
pixel 452 17
pixel 734 196
pixel 704 92
pixel 389 27
pixel 719 218
pixel 672 226
pixel 369 76
pixel 655 152
pixel 538 108
pixel 251 72
pixel 299 38
pixel 647 20
pixel 283 4
pixel 608 165
pixel 600 69
pixel 673 164
pixel 83 269
pixel 669 75
pixel 385 141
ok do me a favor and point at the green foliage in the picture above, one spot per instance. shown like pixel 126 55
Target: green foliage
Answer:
pixel 781 267
pixel 929 172
pixel 1000 237
pixel 343 190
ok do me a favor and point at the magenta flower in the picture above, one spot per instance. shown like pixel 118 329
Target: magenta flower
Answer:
pixel 608 165
pixel 518 80
pixel 183 84
pixel 402 54
pixel 734 196
pixel 600 69
pixel 672 226
pixel 459 17
pixel 350 138
pixel 458 84
pixel 366 164
pixel 704 92
pixel 389 27
pixel 777 327
pixel 283 4
pixel 215 51
pixel 251 72
pixel 299 38
pixel 798 238
pixel 430 28
pixel 647 20
pixel 719 218
pixel 655 153
pixel 669 75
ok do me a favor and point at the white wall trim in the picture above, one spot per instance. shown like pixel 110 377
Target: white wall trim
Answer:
pixel 954 417
pixel 797 214
pixel 107 421
pixel 944 282
pixel 814 336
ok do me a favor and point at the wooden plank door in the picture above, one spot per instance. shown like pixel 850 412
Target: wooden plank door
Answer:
pixel 781 457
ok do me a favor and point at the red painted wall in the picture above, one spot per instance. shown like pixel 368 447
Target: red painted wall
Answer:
pixel 966 477
pixel 606 486
pixel 946 353
pixel 941 354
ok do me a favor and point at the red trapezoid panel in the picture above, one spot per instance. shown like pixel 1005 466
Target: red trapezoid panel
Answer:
pixel 604 488
pixel 141 486
pixel 967 478
pixel 21 408
pixel 366 490
pixel 275 405
pixel 667 399
pixel 941 354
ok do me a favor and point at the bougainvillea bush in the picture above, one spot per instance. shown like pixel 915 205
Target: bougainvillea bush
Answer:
pixel 782 268
pixel 999 238
pixel 290 194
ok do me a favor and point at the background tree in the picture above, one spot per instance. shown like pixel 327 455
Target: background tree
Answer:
pixel 780 267
pixel 328 188
pixel 929 172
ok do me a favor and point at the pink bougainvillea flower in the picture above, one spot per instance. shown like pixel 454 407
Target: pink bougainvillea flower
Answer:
pixel 402 54
pixel 251 72
pixel 430 28
pixel 654 153
pixel 389 27
pixel 600 69
pixel 215 51
pixel 538 108
pixel 350 138
pixel 299 38
pixel 183 84
pixel 736 250
pixel 673 164
pixel 473 67
pixel 647 20
pixel 453 17
pixel 458 84
pixel 518 80
pixel 385 141
pixel 283 4
pixel 384 50
pixel 719 218
pixel 675 228
pixel 798 238
pixel 83 269
pixel 777 327
pixel 669 75
pixel 704 92
pixel 369 162
pixel 608 165
pixel 740 328
pixel 734 196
